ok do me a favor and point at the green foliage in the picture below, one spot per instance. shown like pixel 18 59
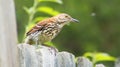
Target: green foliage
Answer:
pixel 50 44
pixel 56 1
pixel 99 56
pixel 35 8
pixel 37 19
pixel 48 10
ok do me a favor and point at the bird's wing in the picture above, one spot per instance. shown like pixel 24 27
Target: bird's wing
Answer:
pixel 39 26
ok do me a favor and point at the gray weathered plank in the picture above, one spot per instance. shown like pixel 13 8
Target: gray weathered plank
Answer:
pixel 117 63
pixel 8 35
pixel 65 59
pixel 99 65
pixel 84 62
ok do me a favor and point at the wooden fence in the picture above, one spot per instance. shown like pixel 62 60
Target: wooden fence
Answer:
pixel 30 56
pixel 25 55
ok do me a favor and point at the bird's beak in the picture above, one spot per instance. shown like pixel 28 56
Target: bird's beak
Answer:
pixel 75 20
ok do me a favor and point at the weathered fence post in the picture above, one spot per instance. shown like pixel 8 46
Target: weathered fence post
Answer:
pixel 117 63
pixel 99 65
pixel 8 35
pixel 65 59
pixel 84 62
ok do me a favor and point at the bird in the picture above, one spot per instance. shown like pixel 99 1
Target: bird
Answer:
pixel 47 29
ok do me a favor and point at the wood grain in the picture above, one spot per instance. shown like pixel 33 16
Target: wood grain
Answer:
pixel 8 35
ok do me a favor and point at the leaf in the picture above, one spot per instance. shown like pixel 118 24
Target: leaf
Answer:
pixel 56 1
pixel 26 9
pixel 48 10
pixel 50 44
pixel 99 56
pixel 88 54
pixel 29 10
pixel 37 19
pixel 104 57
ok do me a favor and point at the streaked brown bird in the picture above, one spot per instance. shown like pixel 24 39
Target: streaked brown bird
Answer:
pixel 46 30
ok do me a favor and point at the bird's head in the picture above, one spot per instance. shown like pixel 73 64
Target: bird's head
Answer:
pixel 65 19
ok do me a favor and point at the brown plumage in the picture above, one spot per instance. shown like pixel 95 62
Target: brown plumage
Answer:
pixel 40 25
pixel 47 29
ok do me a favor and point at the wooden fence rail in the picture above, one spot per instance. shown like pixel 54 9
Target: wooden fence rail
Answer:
pixel 30 56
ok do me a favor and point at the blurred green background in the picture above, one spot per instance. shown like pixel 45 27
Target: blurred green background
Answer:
pixel 98 30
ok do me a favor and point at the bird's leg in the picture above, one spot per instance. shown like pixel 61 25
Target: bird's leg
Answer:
pixel 37 43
